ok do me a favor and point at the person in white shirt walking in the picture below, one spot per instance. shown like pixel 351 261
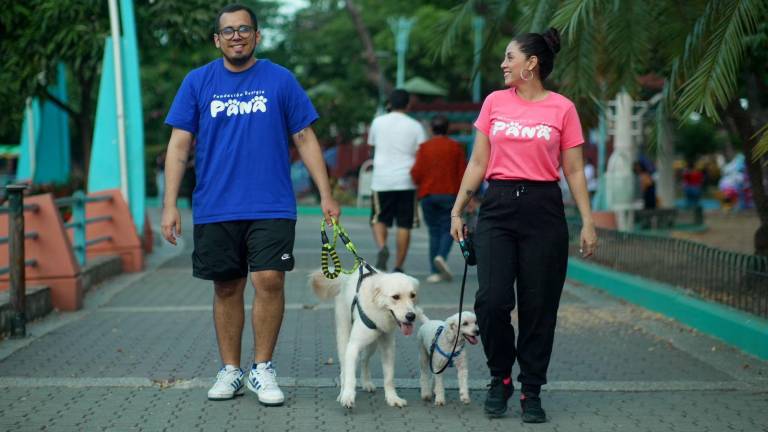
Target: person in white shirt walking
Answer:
pixel 395 138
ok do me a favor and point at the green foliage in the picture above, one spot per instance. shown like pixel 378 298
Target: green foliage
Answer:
pixel 697 138
pixel 37 34
pixel 714 77
pixel 321 46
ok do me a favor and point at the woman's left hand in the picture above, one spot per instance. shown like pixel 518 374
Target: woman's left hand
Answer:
pixel 588 243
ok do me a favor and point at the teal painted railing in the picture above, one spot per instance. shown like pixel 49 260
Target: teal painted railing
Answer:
pixel 79 223
pixel 17 207
pixel 733 279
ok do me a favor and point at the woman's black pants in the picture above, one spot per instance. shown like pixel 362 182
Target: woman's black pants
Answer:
pixel 521 244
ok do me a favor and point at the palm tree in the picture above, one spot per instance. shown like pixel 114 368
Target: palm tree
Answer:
pixel 711 53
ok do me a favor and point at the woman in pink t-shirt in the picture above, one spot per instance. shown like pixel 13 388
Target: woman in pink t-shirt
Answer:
pixel 525 133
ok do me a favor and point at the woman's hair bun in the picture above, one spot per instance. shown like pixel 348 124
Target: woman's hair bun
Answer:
pixel 552 38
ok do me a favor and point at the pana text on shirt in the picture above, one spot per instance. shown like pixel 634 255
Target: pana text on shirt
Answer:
pixel 515 129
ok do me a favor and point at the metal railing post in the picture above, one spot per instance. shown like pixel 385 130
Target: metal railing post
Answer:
pixel 78 216
pixel 18 291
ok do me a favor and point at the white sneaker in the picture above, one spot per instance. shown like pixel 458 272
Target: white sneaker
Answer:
pixel 263 381
pixel 229 383
pixel 434 278
pixel 442 267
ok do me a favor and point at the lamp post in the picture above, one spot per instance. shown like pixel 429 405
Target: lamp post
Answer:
pixel 114 19
pixel 478 25
pixel 401 27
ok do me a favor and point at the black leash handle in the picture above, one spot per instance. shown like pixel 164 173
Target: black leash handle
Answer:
pixel 328 250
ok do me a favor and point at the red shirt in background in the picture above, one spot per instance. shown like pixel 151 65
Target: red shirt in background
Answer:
pixel 693 178
pixel 439 167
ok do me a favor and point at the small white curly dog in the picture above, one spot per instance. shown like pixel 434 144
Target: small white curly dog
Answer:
pixel 443 335
pixel 386 302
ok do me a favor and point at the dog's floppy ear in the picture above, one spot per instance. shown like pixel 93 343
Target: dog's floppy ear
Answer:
pixel 414 281
pixel 376 290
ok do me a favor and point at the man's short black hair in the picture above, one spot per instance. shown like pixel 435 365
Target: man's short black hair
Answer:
pixel 234 8
pixel 399 99
pixel 440 125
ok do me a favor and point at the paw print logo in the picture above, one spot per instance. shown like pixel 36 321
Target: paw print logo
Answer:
pixel 543 131
pixel 260 104
pixel 231 106
pixel 514 129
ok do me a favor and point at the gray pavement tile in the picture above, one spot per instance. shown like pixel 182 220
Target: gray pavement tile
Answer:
pixel 91 373
pixel 583 411
pixel 589 345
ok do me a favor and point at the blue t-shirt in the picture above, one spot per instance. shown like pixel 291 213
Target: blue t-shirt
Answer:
pixel 242 122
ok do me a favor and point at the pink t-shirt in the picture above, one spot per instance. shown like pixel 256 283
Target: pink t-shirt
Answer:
pixel 527 137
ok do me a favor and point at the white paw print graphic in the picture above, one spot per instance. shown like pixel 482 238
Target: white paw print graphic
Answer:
pixel 514 129
pixel 260 103
pixel 543 131
pixel 231 106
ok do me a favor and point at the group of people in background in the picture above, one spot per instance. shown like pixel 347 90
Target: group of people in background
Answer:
pixel 408 168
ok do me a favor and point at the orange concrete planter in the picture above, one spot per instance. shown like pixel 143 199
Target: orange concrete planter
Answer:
pixel 56 265
pixel 125 241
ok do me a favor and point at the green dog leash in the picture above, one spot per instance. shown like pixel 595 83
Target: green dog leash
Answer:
pixel 328 251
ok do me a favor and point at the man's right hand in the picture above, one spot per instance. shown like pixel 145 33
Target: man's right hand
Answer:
pixel 171 224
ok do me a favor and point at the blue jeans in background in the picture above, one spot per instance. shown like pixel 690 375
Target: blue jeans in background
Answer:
pixel 437 215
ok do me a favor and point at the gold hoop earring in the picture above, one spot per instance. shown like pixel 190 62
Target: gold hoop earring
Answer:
pixel 522 77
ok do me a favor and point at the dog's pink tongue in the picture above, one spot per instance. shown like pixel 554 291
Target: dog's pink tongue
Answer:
pixel 407 329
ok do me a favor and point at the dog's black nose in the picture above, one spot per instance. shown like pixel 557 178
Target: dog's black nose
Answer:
pixel 410 316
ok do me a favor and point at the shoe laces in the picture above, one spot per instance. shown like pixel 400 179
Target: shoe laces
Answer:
pixel 496 385
pixel 266 376
pixel 235 373
pixel 498 388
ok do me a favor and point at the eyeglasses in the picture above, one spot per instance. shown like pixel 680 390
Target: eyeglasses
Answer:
pixel 229 32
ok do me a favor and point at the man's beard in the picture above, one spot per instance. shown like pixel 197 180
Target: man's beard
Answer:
pixel 239 61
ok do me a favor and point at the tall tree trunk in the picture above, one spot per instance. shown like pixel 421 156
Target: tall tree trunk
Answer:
pixel 373 68
pixel 742 123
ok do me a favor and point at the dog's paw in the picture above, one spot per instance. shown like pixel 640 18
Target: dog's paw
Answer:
pixel 368 386
pixel 466 400
pixel 395 401
pixel 439 401
pixel 426 397
pixel 346 399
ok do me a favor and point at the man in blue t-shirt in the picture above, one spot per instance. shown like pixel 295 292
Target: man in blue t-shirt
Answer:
pixel 242 112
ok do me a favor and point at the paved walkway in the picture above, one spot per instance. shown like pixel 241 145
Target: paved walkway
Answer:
pixel 141 355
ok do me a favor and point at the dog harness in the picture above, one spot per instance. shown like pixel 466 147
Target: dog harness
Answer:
pixel 356 304
pixel 436 347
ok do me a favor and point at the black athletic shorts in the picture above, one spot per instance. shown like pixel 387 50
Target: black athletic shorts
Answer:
pixel 229 250
pixel 388 206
